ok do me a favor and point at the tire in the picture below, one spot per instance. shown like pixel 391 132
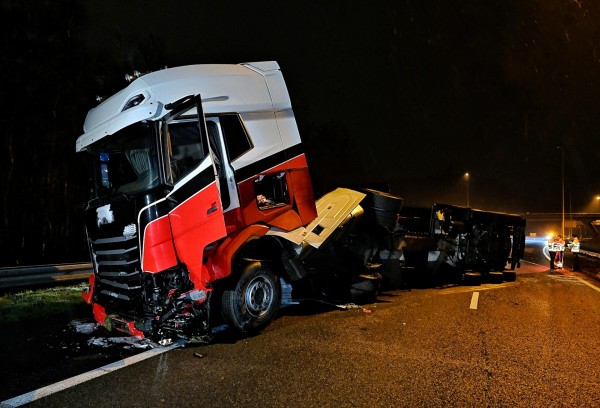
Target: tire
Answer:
pixel 510 276
pixel 495 277
pixel 254 301
pixel 385 207
pixel 365 288
pixel 471 278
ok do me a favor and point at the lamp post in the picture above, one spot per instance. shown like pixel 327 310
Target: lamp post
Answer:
pixel 562 169
pixel 570 213
pixel 467 179
pixel 562 187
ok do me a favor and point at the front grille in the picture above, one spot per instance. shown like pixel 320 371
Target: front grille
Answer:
pixel 118 285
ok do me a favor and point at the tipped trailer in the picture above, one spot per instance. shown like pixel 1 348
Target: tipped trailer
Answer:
pixel 479 245
pixel 201 209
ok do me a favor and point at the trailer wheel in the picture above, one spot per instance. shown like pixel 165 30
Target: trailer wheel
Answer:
pixel 495 277
pixel 365 288
pixel 471 278
pixel 385 207
pixel 510 276
pixel 252 304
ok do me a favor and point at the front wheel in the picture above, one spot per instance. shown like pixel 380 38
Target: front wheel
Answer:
pixel 252 304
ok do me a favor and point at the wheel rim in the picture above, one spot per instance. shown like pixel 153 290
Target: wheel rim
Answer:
pixel 259 296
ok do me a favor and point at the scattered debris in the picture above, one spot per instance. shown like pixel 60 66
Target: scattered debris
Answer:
pixel 130 342
pixel 165 342
pixel 349 306
pixel 83 326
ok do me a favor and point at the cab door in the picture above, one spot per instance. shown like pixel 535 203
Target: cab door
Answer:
pixel 196 215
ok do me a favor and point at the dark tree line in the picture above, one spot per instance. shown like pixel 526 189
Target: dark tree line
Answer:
pixel 41 107
pixel 52 75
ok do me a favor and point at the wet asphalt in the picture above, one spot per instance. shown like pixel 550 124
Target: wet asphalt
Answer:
pixel 39 352
pixel 527 343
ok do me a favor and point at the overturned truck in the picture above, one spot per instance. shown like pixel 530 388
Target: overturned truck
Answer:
pixel 476 245
pixel 201 210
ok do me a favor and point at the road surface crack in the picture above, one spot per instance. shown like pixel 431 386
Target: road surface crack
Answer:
pixel 487 370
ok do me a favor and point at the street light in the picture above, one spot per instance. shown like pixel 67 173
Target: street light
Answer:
pixel 467 178
pixel 562 175
pixel 562 168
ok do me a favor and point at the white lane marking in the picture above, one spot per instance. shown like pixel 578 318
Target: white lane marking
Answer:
pixel 596 288
pixel 81 378
pixel 566 278
pixel 533 263
pixel 474 300
pixel 573 279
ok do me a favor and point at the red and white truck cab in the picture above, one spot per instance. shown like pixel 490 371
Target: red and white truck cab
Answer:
pixel 200 195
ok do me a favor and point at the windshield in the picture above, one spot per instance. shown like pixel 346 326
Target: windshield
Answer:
pixel 126 162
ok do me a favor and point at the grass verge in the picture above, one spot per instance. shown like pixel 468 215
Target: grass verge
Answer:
pixel 33 304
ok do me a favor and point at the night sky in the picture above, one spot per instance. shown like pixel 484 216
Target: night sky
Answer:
pixel 413 93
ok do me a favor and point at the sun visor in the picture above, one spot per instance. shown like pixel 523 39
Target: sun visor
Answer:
pixel 116 123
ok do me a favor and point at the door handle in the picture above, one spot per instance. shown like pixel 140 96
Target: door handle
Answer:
pixel 212 209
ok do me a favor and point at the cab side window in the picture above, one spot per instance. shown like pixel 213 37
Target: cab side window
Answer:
pixel 235 135
pixel 271 191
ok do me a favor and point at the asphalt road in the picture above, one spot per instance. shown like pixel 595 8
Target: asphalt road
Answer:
pixel 529 343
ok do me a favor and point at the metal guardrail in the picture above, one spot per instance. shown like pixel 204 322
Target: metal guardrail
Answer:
pixel 18 276
pixel 43 274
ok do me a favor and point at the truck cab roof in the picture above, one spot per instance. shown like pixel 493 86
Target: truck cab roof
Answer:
pixel 247 87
